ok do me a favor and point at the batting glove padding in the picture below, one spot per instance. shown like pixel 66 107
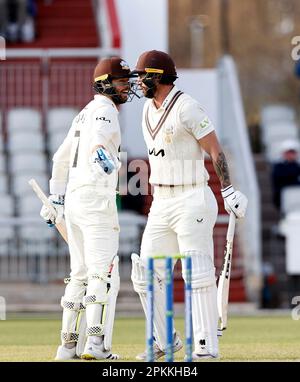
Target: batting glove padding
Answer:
pixel 58 202
pixel 104 163
pixel 234 201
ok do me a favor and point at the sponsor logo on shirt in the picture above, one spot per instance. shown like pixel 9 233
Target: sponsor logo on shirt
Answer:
pixel 156 154
pixel 103 119
pixel 205 122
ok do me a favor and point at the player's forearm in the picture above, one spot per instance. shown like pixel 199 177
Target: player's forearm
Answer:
pixel 211 145
pixel 221 168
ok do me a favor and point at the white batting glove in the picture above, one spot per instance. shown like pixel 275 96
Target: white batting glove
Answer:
pixel 58 202
pixel 234 201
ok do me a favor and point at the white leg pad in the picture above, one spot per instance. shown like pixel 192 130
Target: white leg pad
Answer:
pixel 82 332
pixel 139 280
pixel 100 302
pixel 73 310
pixel 111 304
pixel 204 305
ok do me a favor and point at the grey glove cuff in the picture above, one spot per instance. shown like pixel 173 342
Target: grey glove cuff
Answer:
pixel 58 199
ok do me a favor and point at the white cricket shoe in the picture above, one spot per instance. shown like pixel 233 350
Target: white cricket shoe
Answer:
pixel 96 351
pixel 196 356
pixel 201 352
pixel 158 353
pixel 63 353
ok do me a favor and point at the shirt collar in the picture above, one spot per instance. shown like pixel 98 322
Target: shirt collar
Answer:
pixel 103 99
pixel 167 99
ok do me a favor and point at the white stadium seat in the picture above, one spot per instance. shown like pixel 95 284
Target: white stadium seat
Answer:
pixel 290 199
pixel 273 152
pixel 1 143
pixel 7 205
pixel 28 163
pixel 20 184
pixel 37 232
pixel 35 240
pixel 280 131
pixel 278 123
pixel 55 140
pixel 24 119
pixel 60 119
pixel 7 247
pixel 1 136
pixel 29 205
pixel 2 163
pixel 277 112
pixel 6 233
pixel 26 141
pixel 3 184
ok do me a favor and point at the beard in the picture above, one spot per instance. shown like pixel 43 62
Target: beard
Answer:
pixel 150 88
pixel 150 92
pixel 118 99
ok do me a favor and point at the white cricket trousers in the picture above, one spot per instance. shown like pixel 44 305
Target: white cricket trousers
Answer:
pixel 179 221
pixel 93 230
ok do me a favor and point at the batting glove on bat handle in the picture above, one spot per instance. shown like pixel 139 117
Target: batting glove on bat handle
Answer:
pixel 58 202
pixel 234 201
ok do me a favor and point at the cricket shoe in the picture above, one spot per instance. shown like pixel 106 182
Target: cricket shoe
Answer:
pixel 196 356
pixel 63 353
pixel 158 353
pixel 96 351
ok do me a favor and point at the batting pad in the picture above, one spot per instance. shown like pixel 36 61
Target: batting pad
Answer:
pixel 204 305
pixel 73 310
pixel 111 304
pixel 100 302
pixel 81 329
pixel 138 277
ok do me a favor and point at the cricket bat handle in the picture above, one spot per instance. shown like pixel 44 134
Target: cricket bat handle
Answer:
pixel 61 227
pixel 231 228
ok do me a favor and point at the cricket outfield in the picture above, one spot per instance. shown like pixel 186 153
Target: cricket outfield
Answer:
pixel 267 338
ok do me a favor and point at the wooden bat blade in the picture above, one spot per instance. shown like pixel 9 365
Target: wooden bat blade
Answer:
pixel 61 227
pixel 223 289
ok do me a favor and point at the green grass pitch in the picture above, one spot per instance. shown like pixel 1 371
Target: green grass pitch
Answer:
pixel 246 339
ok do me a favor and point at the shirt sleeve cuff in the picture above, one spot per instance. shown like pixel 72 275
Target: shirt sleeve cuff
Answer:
pixel 202 133
pixel 57 187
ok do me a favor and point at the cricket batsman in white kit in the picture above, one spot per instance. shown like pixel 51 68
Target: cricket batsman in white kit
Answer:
pixel 83 188
pixel 184 210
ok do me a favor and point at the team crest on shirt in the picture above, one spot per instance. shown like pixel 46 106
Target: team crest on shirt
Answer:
pixel 168 133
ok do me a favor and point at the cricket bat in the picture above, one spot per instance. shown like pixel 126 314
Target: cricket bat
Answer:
pixel 61 227
pixel 224 279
